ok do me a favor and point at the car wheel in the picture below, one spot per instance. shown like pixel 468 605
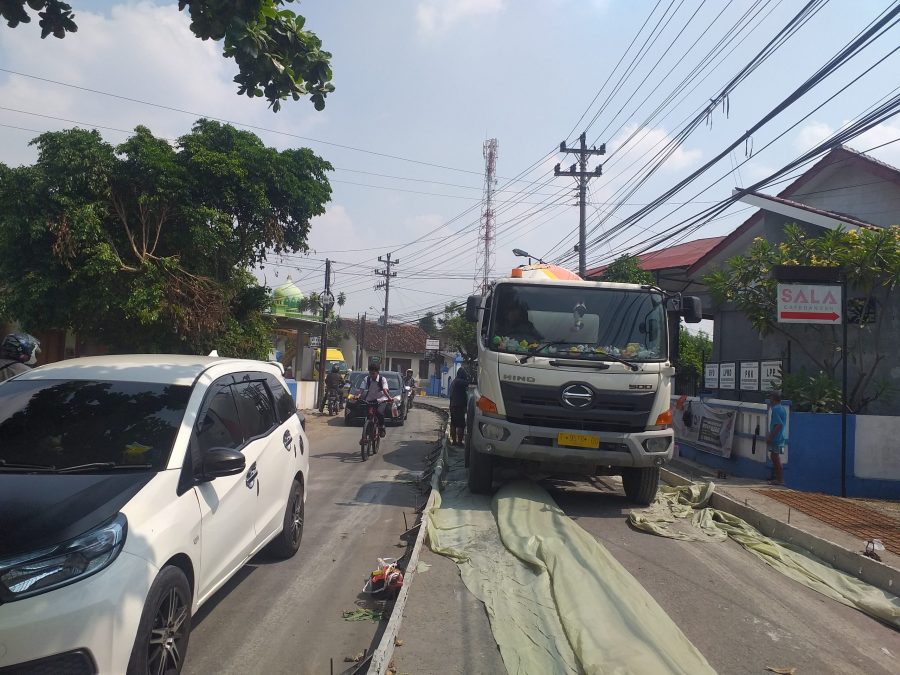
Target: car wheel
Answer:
pixel 287 542
pixel 165 626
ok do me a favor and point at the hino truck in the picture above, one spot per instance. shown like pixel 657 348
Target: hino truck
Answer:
pixel 574 378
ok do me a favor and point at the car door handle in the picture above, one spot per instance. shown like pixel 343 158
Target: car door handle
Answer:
pixel 251 475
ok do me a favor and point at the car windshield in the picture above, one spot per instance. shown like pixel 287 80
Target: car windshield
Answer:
pixel 393 380
pixel 588 322
pixel 67 423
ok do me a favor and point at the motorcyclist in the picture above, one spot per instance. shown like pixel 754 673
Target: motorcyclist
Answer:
pixel 410 381
pixel 333 384
pixel 374 389
pixel 17 352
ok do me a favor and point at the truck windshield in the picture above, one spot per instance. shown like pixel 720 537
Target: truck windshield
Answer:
pixel 581 323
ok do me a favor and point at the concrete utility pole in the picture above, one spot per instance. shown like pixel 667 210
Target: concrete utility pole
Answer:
pixel 327 304
pixel 386 284
pixel 583 176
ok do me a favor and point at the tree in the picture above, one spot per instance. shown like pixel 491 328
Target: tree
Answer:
pixel 871 261
pixel 459 333
pixel 428 324
pixel 147 246
pixel 626 269
pixel 275 56
pixel 695 349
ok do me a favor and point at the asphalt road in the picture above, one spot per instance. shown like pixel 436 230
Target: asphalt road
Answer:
pixel 740 613
pixel 286 616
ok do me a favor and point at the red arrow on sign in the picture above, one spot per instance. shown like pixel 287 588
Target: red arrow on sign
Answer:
pixel 823 316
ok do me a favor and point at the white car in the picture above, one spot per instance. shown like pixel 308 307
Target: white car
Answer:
pixel 131 489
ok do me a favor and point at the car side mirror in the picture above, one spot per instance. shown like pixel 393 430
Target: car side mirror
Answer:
pixel 691 309
pixel 472 305
pixel 219 462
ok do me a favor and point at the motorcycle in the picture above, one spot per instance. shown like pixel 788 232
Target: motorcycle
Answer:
pixel 332 402
pixel 410 395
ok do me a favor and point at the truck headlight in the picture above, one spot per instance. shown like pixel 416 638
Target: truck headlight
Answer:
pixel 494 433
pixel 29 574
pixel 657 444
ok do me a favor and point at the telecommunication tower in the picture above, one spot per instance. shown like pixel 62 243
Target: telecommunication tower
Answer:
pixel 485 260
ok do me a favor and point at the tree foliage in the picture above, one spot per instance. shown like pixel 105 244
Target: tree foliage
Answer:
pixel 428 323
pixel 695 349
pixel 275 56
pixel 626 269
pixel 870 260
pixel 459 333
pixel 146 246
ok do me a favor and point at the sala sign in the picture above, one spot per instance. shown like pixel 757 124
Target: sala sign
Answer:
pixel 809 303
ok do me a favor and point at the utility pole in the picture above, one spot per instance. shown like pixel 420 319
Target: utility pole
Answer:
pixel 361 344
pixel 327 304
pixel 583 176
pixel 386 284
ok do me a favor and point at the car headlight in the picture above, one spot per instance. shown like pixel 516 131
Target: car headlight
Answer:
pixel 657 444
pixel 29 574
pixel 492 432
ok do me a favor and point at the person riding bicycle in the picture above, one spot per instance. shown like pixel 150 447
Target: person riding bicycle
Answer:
pixel 410 381
pixel 374 389
pixel 334 383
pixel 17 352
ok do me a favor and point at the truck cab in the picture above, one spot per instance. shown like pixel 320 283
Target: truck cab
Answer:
pixel 574 378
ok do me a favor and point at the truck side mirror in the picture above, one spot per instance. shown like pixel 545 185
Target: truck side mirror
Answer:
pixel 691 309
pixel 472 305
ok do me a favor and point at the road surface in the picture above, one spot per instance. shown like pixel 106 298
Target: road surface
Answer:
pixel 286 616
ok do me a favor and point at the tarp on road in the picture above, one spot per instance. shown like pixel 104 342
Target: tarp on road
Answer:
pixel 557 600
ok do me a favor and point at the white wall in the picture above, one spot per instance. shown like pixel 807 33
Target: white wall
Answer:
pixel 748 416
pixel 877 447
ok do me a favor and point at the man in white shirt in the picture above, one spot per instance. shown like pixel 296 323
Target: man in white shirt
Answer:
pixel 374 389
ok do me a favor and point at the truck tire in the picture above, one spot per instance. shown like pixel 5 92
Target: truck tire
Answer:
pixel 481 472
pixel 641 484
pixel 470 428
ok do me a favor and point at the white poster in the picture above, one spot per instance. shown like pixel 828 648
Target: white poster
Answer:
pixel 770 375
pixel 726 375
pixel 704 427
pixel 749 375
pixel 711 378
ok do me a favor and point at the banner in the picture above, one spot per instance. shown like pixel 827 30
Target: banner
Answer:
pixel 726 375
pixel 749 375
pixel 711 379
pixel 704 427
pixel 771 375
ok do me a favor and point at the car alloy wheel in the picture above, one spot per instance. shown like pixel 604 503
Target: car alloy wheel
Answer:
pixel 165 650
pixel 297 518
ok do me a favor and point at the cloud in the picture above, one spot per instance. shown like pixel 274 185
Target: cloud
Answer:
pixel 438 16
pixel 811 135
pixel 651 141
pixel 141 51
pixel 815 132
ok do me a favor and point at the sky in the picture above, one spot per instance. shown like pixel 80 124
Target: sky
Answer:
pixel 421 84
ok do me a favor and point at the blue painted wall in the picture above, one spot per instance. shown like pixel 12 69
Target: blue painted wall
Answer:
pixel 738 466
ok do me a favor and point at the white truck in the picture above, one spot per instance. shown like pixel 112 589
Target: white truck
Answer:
pixel 574 378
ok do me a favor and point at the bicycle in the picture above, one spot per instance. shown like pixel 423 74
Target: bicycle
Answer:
pixel 371 439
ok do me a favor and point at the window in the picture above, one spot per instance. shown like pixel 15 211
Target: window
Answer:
pixel 218 425
pixel 285 406
pixel 65 423
pixel 423 369
pixel 255 408
pixel 401 365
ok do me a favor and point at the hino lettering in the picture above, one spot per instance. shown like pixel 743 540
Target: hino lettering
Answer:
pixel 596 359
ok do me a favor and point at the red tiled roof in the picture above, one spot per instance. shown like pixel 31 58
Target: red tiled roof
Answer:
pixel 681 255
pixel 839 155
pixel 402 337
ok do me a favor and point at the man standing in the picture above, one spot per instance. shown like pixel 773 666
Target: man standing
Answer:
pixel 459 398
pixel 776 437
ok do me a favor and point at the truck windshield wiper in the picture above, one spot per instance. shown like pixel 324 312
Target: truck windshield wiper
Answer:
pixel 102 466
pixel 17 466
pixel 552 343
pixel 630 364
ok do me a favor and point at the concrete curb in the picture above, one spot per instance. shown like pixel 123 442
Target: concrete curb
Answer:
pixel 384 652
pixel 853 563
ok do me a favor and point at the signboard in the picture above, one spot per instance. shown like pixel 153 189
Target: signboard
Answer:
pixel 432 345
pixel 711 376
pixel 704 426
pixel 809 303
pixel 315 340
pixel 374 358
pixel 726 375
pixel 749 375
pixel 770 375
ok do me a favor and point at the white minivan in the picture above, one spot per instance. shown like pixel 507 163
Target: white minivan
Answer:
pixel 131 489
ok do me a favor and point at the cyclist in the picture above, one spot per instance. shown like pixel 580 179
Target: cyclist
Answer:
pixel 333 383
pixel 374 389
pixel 17 352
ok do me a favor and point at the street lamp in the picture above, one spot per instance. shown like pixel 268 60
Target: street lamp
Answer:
pixel 522 254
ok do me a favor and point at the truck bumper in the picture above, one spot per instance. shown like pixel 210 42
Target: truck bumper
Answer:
pixel 540 444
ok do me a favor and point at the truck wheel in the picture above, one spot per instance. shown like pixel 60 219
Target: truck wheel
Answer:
pixel 481 472
pixel 641 484
pixel 469 451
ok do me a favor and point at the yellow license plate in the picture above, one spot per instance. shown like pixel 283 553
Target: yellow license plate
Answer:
pixel 578 440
